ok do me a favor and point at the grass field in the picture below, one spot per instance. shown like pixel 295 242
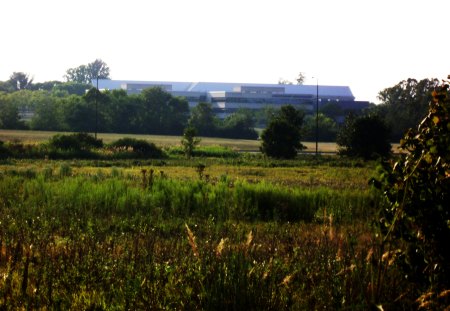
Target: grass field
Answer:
pixel 78 235
pixel 166 141
pixel 242 232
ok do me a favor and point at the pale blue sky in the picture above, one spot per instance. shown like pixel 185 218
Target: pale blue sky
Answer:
pixel 367 45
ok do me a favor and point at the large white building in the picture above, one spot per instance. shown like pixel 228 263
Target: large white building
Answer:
pixel 228 97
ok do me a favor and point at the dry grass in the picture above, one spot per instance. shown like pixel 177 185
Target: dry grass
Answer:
pixel 31 137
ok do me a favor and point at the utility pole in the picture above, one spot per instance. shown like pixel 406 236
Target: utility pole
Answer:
pixel 96 110
pixel 317 117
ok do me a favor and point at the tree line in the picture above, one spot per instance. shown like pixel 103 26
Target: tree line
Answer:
pixel 67 106
pixel 154 111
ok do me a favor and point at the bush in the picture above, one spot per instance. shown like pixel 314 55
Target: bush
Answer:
pixel 281 140
pixel 417 190
pixel 75 142
pixel 366 137
pixel 4 152
pixel 138 147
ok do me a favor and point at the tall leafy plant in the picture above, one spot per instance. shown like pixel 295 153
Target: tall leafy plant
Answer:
pixel 417 189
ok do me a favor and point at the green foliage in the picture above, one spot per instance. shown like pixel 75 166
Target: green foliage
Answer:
pixel 281 139
pixel 238 125
pixel 139 147
pixel 189 141
pixel 75 142
pixel 327 128
pixel 405 104
pixel 9 114
pixel 417 190
pixel 70 88
pixel 4 152
pixel 20 80
pixel 161 113
pixel 203 119
pixel 101 240
pixel 86 73
pixel 364 136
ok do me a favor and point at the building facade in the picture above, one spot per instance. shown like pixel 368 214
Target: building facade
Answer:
pixel 226 98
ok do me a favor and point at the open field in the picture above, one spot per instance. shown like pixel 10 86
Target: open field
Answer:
pixel 222 230
pixel 166 141
pixel 242 234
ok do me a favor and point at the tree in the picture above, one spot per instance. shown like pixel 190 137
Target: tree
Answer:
pixel 87 73
pixel 203 119
pixel 47 115
pixel 239 125
pixel 70 88
pixel 78 75
pixel 6 87
pixel 327 128
pixel 283 81
pixel 300 78
pixel 292 116
pixel 44 86
pixel 77 114
pixel 417 192
pixel 161 113
pixel 405 104
pixel 122 112
pixel 281 139
pixel 189 141
pixel 98 69
pixel 20 80
pixel 9 114
pixel 364 136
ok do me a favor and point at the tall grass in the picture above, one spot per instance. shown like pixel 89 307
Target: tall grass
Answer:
pixel 100 194
pixel 107 239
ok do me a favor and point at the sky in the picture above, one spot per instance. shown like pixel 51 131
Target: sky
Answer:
pixel 366 45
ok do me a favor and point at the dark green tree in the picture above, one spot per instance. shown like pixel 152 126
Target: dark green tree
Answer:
pixel 204 119
pixel 44 86
pixel 292 116
pixel 405 104
pixel 121 112
pixel 327 128
pixel 161 113
pixel 240 124
pixel 281 139
pixel 77 114
pixel 9 114
pixel 417 191
pixel 70 88
pixel 47 112
pixel 6 86
pixel 78 75
pixel 87 73
pixel 364 136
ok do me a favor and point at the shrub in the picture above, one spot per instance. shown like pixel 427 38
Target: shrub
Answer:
pixel 366 137
pixel 417 190
pixel 189 141
pixel 75 142
pixel 281 139
pixel 137 146
pixel 4 152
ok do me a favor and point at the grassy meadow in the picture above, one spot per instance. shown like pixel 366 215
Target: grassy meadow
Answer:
pixel 237 233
